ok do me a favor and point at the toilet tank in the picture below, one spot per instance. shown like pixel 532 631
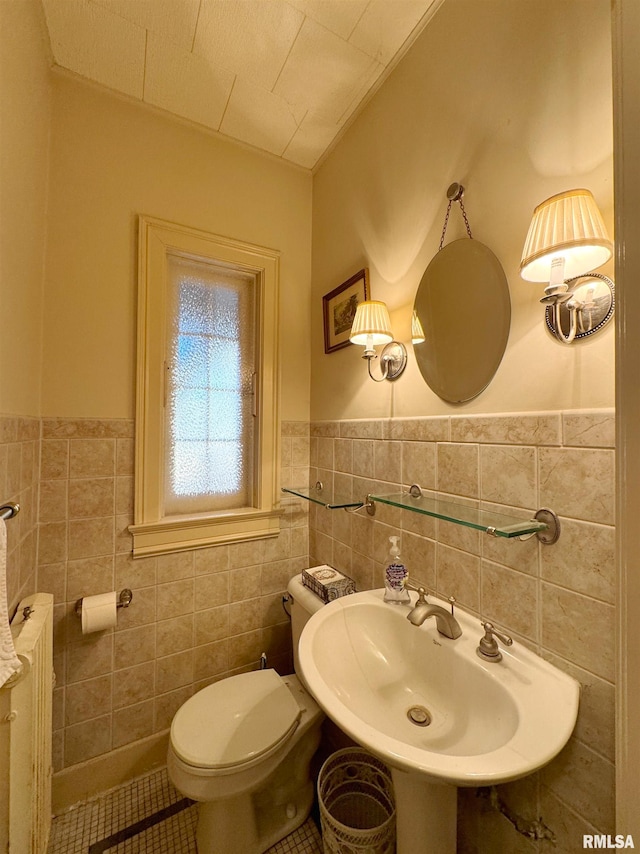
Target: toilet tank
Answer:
pixel 303 604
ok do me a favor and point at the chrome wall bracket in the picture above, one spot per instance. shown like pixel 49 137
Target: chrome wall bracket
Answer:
pixel 551 534
pixel 586 306
pixel 9 510
pixel 394 360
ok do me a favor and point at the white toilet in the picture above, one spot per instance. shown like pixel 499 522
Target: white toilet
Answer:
pixel 242 748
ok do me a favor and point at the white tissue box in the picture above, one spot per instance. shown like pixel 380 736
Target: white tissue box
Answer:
pixel 327 583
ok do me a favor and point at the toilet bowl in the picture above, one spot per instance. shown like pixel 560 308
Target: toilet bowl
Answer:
pixel 242 749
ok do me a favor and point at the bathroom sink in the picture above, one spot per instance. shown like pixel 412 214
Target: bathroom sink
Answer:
pixel 429 705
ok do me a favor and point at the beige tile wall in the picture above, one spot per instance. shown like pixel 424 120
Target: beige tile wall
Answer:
pixel 195 617
pixel 19 463
pixel 557 599
pixel 200 616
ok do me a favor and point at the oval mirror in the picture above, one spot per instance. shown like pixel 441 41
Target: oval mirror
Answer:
pixel 464 308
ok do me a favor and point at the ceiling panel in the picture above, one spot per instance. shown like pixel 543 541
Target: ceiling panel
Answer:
pixel 312 138
pixel 384 26
pixel 258 117
pixel 285 76
pixel 338 16
pixel 175 20
pixel 324 72
pixel 186 84
pixel 251 37
pixel 104 47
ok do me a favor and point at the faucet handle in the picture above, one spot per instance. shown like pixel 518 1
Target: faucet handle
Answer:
pixel 490 630
pixel 419 589
pixel 488 646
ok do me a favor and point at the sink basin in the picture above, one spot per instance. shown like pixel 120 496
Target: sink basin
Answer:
pixel 429 705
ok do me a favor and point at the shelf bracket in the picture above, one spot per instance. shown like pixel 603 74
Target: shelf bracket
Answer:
pixel 551 533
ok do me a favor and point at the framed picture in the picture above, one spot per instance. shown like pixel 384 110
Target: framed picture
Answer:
pixel 339 309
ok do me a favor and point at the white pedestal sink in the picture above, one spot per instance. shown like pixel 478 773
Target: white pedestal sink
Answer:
pixel 428 706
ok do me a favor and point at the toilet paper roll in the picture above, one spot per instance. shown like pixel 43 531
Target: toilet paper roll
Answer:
pixel 99 612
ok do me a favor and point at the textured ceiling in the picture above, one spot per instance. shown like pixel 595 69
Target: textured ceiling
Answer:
pixel 284 76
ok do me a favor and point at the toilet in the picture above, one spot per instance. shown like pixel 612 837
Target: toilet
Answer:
pixel 242 749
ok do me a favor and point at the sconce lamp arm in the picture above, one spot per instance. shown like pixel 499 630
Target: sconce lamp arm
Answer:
pixel 393 360
pixel 384 365
pixel 573 325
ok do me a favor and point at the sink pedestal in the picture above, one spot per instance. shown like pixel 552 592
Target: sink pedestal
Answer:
pixel 426 814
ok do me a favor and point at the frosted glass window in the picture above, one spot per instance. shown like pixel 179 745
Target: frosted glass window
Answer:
pixel 207 424
pixel 209 421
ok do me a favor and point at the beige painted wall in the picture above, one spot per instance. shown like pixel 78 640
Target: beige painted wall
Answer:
pixel 24 131
pixel 112 160
pixel 513 100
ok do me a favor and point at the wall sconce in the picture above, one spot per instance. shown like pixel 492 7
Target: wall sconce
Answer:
pixel 567 239
pixel 372 327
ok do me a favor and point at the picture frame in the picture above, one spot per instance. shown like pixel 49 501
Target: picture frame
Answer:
pixel 339 309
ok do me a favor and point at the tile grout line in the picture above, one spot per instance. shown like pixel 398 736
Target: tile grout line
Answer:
pixel 96 826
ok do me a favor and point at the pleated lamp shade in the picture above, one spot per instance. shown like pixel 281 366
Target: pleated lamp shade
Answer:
pixel 371 325
pixel 568 225
pixel 417 332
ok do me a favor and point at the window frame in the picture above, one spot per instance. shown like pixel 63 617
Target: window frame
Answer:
pixel 152 531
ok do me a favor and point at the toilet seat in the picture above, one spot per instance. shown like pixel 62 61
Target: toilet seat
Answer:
pixel 235 723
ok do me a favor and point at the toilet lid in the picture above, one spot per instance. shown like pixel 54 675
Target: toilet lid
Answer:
pixel 235 721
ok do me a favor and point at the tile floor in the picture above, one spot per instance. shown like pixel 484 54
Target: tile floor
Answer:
pixel 148 816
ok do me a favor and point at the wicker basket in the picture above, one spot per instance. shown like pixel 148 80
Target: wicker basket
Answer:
pixel 357 810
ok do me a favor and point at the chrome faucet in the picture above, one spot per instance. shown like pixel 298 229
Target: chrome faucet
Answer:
pixel 446 623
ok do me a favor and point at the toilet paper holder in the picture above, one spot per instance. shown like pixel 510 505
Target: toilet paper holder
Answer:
pixel 124 600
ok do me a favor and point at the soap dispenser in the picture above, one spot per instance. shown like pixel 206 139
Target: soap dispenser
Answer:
pixel 395 577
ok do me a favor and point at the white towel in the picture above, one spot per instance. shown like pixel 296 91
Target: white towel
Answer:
pixel 9 661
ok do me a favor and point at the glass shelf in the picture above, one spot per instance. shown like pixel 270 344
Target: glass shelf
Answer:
pixel 545 524
pixel 496 524
pixel 324 496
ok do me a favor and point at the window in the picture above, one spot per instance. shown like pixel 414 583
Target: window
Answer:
pixel 207 428
pixel 210 375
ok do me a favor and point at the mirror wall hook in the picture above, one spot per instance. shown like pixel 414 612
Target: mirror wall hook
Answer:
pixel 455 192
